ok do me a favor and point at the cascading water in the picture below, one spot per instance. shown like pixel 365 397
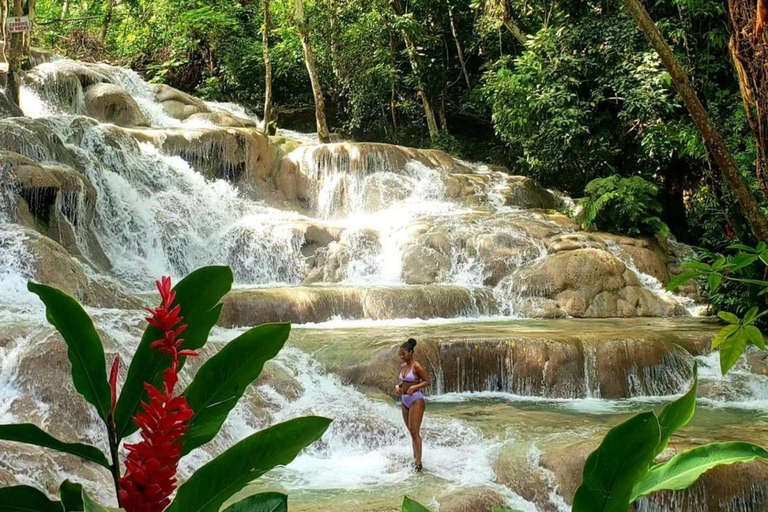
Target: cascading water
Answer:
pixel 372 232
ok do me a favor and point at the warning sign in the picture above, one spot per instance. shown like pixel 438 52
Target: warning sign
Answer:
pixel 16 24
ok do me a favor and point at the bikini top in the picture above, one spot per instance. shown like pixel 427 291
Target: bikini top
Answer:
pixel 410 377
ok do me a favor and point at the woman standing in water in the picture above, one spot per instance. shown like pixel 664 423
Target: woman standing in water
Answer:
pixel 413 378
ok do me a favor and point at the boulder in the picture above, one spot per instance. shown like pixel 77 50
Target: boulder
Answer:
pixel 423 265
pixel 481 499
pixel 178 104
pixel 220 119
pixel 524 192
pixel 110 103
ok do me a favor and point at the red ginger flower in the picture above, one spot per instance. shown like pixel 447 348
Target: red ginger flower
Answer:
pixel 151 464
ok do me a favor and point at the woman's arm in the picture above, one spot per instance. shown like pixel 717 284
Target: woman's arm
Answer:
pixel 425 380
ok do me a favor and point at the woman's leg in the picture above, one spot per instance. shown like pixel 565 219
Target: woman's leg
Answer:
pixel 405 414
pixel 416 414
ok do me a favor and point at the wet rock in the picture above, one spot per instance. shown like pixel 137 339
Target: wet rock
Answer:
pixel 112 104
pixel 423 265
pixel 526 193
pixel 177 104
pixel 319 304
pixel 220 119
pixel 480 499
pixel 593 283
pixel 8 108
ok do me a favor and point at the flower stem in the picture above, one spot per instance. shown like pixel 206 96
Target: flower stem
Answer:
pixel 114 452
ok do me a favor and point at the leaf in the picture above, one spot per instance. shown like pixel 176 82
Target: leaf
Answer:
pixel 741 261
pixel 410 505
pixel 714 281
pixel 677 414
pixel 222 380
pixel 682 470
pixel 22 498
pixel 680 280
pixel 31 434
pixel 91 506
pixel 612 470
pixel 723 334
pixel 71 495
pixel 198 294
pixel 732 349
pixel 742 247
pixel 728 317
pixel 217 481
pixel 85 351
pixel 754 336
pixel 750 316
pixel 697 265
pixel 264 502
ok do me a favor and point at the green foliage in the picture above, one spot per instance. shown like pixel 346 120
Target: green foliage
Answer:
pixel 84 349
pixel 222 380
pixel 625 206
pixel 213 393
pixel 722 275
pixel 198 294
pixel 215 482
pixel 410 505
pixel 32 434
pixel 23 498
pixel 622 470
pixel 264 502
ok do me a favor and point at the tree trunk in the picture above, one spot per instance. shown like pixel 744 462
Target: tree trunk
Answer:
pixel 510 24
pixel 106 22
pixel 393 89
pixel 267 71
pixel 309 58
pixel 413 57
pixel 15 54
pixel 459 49
pixel 712 138
pixel 748 50
pixel 64 9
pixel 441 114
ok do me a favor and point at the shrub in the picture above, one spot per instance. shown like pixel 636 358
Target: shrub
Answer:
pixel 625 206
pixel 171 424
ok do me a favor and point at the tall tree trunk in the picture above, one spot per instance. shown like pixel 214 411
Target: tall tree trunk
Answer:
pixel 15 53
pixel 459 49
pixel 748 49
pixel 712 138
pixel 106 22
pixel 510 24
pixel 441 114
pixel 393 89
pixel 64 9
pixel 267 71
pixel 413 58
pixel 309 58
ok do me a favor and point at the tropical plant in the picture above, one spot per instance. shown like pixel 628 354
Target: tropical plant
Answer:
pixel 171 424
pixel 623 468
pixel 626 206
pixel 742 307
pixel 410 505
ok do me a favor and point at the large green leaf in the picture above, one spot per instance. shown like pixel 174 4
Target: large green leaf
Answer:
pixel 264 502
pixel 85 351
pixel 217 481
pixel 22 498
pixel 71 495
pixel 91 506
pixel 685 468
pixel 732 349
pixel 677 414
pixel 680 280
pixel 612 470
pixel 198 294
pixel 410 505
pixel 222 380
pixel 31 434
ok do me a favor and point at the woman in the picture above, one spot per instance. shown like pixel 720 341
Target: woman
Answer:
pixel 413 378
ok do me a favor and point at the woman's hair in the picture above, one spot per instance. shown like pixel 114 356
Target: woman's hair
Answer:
pixel 409 345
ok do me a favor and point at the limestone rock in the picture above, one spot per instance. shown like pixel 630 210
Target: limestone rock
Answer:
pixel 471 500
pixel 178 104
pixel 220 119
pixel 422 265
pixel 112 104
pixel 526 193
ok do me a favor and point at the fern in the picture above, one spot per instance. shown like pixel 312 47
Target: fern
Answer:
pixel 626 206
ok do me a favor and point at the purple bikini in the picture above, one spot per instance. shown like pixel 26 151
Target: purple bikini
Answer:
pixel 408 400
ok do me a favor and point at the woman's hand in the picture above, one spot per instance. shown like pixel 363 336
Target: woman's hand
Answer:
pixel 398 390
pixel 411 390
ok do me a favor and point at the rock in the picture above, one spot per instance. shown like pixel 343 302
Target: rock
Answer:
pixel 177 104
pixel 480 499
pixel 422 265
pixel 8 108
pixel 526 193
pixel 593 283
pixel 219 119
pixel 112 104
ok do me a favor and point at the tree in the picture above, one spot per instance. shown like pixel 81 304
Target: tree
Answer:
pixel 309 59
pixel 459 49
pixel 748 47
pixel 415 61
pixel 107 20
pixel 267 70
pixel 712 137
pixel 17 47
